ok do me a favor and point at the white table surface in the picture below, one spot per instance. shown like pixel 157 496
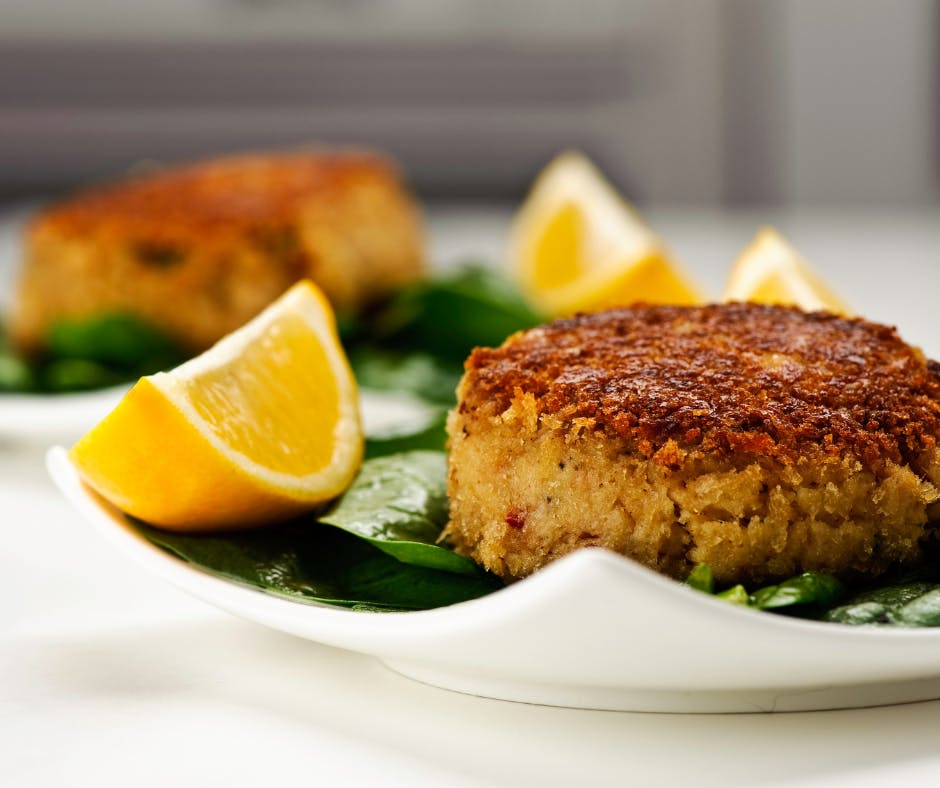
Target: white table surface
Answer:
pixel 109 678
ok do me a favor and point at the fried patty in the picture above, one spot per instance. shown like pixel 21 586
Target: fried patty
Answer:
pixel 198 250
pixel 761 440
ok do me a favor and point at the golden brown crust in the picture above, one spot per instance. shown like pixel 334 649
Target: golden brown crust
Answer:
pixel 226 195
pixel 729 380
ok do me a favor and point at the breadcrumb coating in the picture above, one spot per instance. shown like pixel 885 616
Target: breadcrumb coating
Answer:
pixel 198 250
pixel 760 440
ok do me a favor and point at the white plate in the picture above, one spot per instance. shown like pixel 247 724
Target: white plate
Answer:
pixel 593 630
pixel 54 418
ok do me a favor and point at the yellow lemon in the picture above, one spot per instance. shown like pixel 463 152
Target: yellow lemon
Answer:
pixel 262 426
pixel 577 245
pixel 770 271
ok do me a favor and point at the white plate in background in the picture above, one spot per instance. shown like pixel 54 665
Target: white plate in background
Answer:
pixel 54 418
pixel 64 418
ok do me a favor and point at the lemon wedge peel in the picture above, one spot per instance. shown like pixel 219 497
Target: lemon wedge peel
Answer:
pixel 157 458
pixel 577 245
pixel 770 271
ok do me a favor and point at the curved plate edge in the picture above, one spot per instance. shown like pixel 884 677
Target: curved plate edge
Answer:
pixel 525 636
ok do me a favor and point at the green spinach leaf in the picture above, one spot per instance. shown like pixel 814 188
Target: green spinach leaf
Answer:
pixel 422 374
pixel 923 611
pixel 89 353
pixel 906 599
pixel 15 373
pixel 116 340
pixel 431 434
pixel 398 503
pixel 736 595
pixel 78 374
pixel 309 562
pixel 701 578
pixel 809 588
pixel 451 315
pixel 859 613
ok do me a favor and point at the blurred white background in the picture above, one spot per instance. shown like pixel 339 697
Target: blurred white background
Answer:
pixel 717 102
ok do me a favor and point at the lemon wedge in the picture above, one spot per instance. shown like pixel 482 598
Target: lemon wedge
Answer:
pixel 577 245
pixel 262 426
pixel 770 271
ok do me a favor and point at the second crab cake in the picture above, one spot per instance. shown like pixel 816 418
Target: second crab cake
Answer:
pixel 761 440
pixel 198 250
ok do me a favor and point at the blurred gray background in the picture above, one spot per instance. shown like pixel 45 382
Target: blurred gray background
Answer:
pixel 716 102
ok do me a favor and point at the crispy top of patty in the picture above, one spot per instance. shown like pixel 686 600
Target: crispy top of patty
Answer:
pixel 730 379
pixel 227 194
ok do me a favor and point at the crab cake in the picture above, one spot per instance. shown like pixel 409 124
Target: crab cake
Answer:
pixel 199 250
pixel 761 440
